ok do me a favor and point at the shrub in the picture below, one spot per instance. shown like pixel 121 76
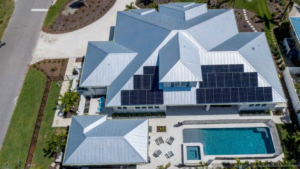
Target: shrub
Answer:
pixel 49 61
pixel 38 63
pixel 282 3
pixel 67 20
pixel 37 68
pixel 58 61
pixel 34 66
pixel 53 69
pixel 44 62
pixel 87 14
pixel 54 61
pixel 42 70
pixel 274 14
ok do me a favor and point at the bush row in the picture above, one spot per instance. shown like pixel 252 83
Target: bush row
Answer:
pixel 154 114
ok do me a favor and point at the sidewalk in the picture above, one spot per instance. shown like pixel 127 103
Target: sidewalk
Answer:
pixel 74 44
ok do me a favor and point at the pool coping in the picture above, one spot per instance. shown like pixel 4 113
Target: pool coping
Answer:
pixel 206 158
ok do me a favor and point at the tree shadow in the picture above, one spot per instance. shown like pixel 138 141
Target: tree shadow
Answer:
pixel 76 5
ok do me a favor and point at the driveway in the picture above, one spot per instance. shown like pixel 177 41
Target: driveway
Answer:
pixel 20 38
pixel 74 44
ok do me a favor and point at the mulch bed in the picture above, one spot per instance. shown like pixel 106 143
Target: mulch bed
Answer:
pixel 81 17
pixel 243 26
pixel 51 67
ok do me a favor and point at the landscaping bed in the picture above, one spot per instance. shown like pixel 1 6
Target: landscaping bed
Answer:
pixel 75 15
pixel 255 113
pixel 139 115
pixel 19 134
pixel 51 67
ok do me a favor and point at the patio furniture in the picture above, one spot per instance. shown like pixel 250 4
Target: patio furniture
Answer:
pixel 170 140
pixel 159 140
pixel 157 153
pixel 169 154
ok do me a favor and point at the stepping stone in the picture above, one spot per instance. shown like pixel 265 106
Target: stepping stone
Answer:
pixel 255 31
pixel 248 22
pixel 246 19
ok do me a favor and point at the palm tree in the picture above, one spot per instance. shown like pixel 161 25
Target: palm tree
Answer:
pixel 55 144
pixel 154 6
pixel 68 100
pixel 289 6
pixel 285 164
pixel 164 167
pixel 296 137
pixel 239 163
pixel 128 7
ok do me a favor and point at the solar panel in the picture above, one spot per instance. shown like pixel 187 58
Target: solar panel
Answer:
pixel 228 80
pixel 234 95
pixel 211 80
pixel 221 68
pixel 154 82
pixel 203 84
pixel 159 97
pixel 137 82
pixel 125 97
pixel 146 81
pixel 245 79
pixel 253 79
pixel 259 93
pixel 226 95
pixel 236 68
pixel 218 96
pixel 220 80
pixel 236 78
pixel 200 94
pixel 243 94
pixel 207 68
pixel 150 97
pixel 142 97
pixel 134 97
pixel 268 94
pixel 150 70
pixel 209 95
pixel 251 94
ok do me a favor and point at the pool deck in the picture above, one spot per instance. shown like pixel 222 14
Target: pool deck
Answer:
pixel 176 132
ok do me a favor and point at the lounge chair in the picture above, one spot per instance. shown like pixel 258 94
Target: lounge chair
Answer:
pixel 99 109
pixel 170 140
pixel 159 140
pixel 157 153
pixel 169 154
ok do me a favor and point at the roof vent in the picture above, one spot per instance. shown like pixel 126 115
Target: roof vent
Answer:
pixel 253 48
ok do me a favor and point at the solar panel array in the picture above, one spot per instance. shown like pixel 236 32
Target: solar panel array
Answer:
pixel 146 89
pixel 229 84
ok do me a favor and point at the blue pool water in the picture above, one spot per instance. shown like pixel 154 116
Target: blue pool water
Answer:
pixel 231 141
pixel 193 153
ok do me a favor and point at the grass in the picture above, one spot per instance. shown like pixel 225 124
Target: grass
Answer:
pixel 18 137
pixel 39 158
pixel 6 10
pixel 259 7
pixel 54 12
pixel 285 132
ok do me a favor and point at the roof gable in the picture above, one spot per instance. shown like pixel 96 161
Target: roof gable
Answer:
pixel 179 60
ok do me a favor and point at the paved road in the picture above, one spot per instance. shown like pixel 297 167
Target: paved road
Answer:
pixel 20 37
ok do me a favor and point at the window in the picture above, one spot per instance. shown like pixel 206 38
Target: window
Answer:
pixel 137 107
pixel 150 107
pixel 257 105
pixel 177 84
pixel 156 107
pixel 264 105
pixel 144 107
pixel 251 105
pixel 124 108
pixel 119 108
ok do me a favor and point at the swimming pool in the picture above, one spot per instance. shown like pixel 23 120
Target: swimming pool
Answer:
pixel 193 152
pixel 231 141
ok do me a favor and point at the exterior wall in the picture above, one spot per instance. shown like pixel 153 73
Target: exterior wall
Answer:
pixel 260 107
pixel 291 88
pixel 142 109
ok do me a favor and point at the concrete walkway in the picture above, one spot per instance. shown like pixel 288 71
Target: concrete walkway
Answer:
pixel 295 10
pixel 74 44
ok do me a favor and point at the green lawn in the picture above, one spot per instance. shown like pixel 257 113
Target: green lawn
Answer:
pixel 53 12
pixel 285 132
pixel 259 7
pixel 6 10
pixel 18 137
pixel 46 130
